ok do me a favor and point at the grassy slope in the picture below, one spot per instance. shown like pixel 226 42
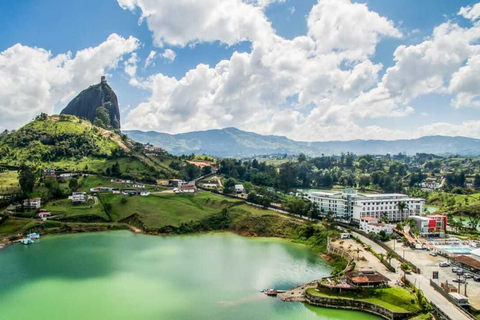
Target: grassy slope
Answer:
pixel 9 182
pixel 65 207
pixel 159 210
pixel 395 299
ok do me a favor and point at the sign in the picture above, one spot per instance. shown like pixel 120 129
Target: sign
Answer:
pixel 435 275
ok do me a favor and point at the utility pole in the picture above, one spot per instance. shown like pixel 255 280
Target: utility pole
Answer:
pixel 458 283
pixel 466 282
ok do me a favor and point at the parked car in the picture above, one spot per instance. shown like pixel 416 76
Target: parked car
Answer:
pixel 459 280
pixel 476 278
pixel 444 264
pixel 457 270
pixel 433 254
pixel 467 275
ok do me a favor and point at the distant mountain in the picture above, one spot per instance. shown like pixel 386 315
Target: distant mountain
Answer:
pixel 86 103
pixel 232 142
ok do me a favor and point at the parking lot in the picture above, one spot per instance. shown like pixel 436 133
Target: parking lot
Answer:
pixel 428 263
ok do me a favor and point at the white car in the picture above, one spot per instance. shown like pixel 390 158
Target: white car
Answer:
pixel 444 264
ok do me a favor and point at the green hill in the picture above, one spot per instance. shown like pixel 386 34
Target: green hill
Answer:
pixel 67 143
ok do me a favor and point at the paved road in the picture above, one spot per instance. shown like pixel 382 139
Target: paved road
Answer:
pixel 423 284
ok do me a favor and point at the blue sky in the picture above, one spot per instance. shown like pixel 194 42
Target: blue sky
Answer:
pixel 298 104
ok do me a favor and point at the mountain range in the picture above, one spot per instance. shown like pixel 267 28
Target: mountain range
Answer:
pixel 232 142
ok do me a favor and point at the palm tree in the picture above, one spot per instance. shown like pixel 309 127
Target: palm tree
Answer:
pixel 401 207
pixel 389 256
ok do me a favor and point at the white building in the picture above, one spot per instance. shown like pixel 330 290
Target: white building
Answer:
pixel 350 205
pixel 239 188
pixel 371 225
pixel 34 203
pixel 78 197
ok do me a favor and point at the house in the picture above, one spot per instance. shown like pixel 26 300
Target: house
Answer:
pixel 34 203
pixel 239 188
pixel 371 225
pixel 366 278
pixel 78 197
pixel 44 215
pixel 345 235
pixel 187 188
pixel 67 175
pixel 145 193
pixel 176 182
pixel 49 173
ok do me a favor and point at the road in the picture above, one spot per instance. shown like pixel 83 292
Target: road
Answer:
pixel 422 283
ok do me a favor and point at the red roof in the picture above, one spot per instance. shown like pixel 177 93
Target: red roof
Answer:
pixel 369 219
pixel 44 214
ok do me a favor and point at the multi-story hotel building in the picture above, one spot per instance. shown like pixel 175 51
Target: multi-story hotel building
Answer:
pixel 350 205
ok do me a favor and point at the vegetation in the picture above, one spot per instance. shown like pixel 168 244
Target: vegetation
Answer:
pixel 395 299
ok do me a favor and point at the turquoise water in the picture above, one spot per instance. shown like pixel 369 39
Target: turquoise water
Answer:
pixel 456 250
pixel 121 275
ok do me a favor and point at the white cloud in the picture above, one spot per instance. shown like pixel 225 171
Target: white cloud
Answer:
pixel 292 9
pixel 130 65
pixel 313 87
pixel 150 59
pixel 184 22
pixel 32 80
pixel 350 28
pixel 469 12
pixel 250 90
pixel 169 55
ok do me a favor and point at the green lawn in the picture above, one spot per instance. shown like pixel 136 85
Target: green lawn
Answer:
pixel 65 207
pixel 9 182
pixel 396 299
pixel 159 210
pixel 14 225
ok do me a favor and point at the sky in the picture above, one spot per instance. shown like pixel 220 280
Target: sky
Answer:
pixel 311 70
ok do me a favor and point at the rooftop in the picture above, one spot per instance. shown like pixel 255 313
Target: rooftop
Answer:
pixel 366 277
pixel 468 261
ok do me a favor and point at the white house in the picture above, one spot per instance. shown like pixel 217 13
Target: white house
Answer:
pixel 187 188
pixel 371 225
pixel 44 215
pixel 239 188
pixel 34 203
pixel 78 197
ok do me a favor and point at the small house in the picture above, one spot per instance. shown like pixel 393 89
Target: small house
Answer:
pixel 49 173
pixel 366 278
pixel 44 215
pixel 176 182
pixel 145 193
pixel 239 188
pixel 78 197
pixel 187 188
pixel 34 203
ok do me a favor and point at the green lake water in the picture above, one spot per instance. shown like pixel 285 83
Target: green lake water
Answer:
pixel 121 275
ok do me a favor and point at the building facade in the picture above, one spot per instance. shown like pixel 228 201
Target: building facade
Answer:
pixel 371 225
pixel 431 226
pixel 351 206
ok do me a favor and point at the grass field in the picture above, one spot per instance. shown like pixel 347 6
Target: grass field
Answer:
pixel 9 182
pixel 159 210
pixel 65 207
pixel 395 299
pixel 14 225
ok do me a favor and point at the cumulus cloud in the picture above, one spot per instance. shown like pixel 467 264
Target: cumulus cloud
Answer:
pixel 169 55
pixel 470 12
pixel 281 86
pixel 183 22
pixel 130 65
pixel 314 87
pixel 32 80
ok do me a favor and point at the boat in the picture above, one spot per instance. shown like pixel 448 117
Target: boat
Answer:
pixel 33 235
pixel 271 292
pixel 26 241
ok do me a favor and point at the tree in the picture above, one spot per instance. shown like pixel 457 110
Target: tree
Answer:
pixel 102 118
pixel 476 181
pixel 229 185
pixel 26 178
pixel 401 207
pixel 73 184
pixel 302 157
pixel 288 176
